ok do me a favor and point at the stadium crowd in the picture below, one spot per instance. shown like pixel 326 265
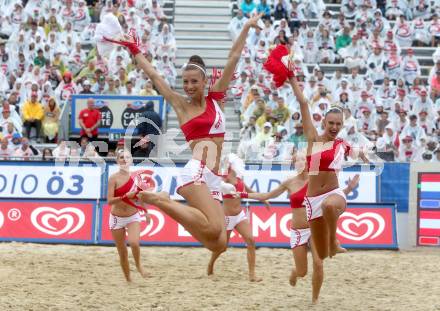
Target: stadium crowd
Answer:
pixel 46 55
pixel 388 105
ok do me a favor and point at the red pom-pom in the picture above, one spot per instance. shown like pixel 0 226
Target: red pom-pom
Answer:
pixel 275 66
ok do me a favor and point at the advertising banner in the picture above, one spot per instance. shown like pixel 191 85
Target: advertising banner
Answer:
pixel 165 179
pixel 49 180
pixel 48 221
pixel 368 226
pixel 116 111
pixel 362 226
pixel 428 209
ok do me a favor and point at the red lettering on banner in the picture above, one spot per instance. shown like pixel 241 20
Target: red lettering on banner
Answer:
pixel 358 226
pixel 47 220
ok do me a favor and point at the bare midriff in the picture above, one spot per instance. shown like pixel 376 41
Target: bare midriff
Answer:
pixel 209 151
pixel 232 207
pixel 122 209
pixel 322 182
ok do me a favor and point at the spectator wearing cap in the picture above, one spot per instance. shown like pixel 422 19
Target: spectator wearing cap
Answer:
pixel 89 120
pixel 100 86
pixel 407 150
pixel 15 141
pixel 297 137
pixel 9 115
pixel 426 122
pixel 33 114
pixel 366 122
pixel 364 102
pixel 87 87
pixel 403 100
pixel 411 67
pixel 5 150
pixel 51 120
pixel 423 103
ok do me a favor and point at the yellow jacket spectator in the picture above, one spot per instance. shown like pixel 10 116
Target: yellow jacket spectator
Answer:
pixel 51 119
pixel 264 117
pixel 33 113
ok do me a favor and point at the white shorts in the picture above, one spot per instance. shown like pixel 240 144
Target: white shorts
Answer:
pixel 194 172
pixel 233 221
pixel 299 237
pixel 117 222
pixel 313 204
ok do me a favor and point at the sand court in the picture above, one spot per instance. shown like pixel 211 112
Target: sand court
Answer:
pixel 68 277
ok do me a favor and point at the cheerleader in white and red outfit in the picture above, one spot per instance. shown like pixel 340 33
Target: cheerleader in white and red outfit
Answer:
pixel 125 218
pixel 325 201
pixel 203 123
pixel 233 190
pixel 300 232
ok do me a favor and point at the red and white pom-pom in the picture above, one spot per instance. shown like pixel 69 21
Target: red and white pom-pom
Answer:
pixel 108 28
pixel 279 64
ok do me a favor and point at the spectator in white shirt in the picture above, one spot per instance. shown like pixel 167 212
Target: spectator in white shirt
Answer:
pixel 413 130
pixel 236 24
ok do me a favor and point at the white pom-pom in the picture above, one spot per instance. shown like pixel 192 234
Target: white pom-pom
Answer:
pixel 109 28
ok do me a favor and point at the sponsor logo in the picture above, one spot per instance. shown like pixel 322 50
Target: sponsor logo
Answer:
pixel 156 224
pixel 361 227
pixel 57 222
pixel 147 180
